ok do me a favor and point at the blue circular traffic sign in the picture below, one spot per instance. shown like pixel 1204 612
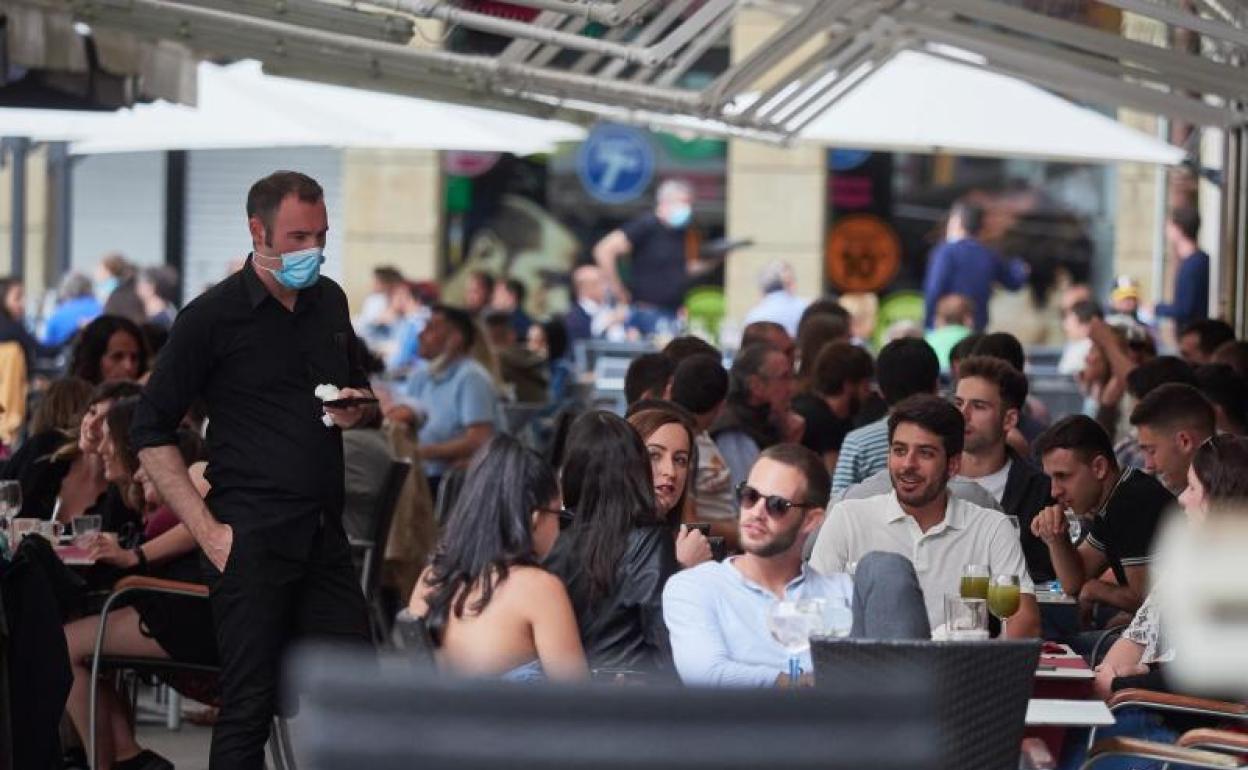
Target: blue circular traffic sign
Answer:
pixel 615 163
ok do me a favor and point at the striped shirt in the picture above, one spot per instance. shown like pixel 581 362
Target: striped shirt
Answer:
pixel 863 454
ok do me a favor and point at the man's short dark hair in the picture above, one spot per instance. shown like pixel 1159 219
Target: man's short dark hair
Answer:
pixel 460 320
pixel 1235 354
pixel 1224 387
pixel 757 332
pixel 1212 333
pixel 748 362
pixel 388 274
pixel 1173 406
pixel 1152 374
pixel 815 333
pixel 700 383
pixel 815 473
pixel 1187 219
pixel 648 374
pixel 906 367
pixel 933 414
pixel 965 347
pixel 1085 310
pixel 1010 382
pixel 1081 435
pixel 684 347
pixel 838 364
pixel 971 215
pixel 824 306
pixel 1004 346
pixel 265 196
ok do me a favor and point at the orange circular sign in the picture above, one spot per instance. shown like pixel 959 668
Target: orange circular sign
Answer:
pixel 863 253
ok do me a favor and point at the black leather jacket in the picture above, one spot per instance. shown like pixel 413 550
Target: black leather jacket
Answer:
pixel 624 630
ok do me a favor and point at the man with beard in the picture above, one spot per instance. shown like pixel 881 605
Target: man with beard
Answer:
pixel 716 612
pixel 1124 508
pixel 990 394
pixel 920 520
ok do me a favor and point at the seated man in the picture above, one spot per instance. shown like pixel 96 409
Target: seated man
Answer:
pixel 452 400
pixel 1171 423
pixel 922 521
pixel 1123 507
pixel 716 612
pixel 700 385
pixel 757 414
pixel 649 375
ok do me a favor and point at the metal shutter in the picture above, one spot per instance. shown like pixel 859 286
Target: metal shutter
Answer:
pixel 118 205
pixel 216 196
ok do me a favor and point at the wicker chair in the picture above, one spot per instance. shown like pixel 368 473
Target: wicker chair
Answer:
pixel 981 688
pixel 1202 747
pixel 372 551
pixel 1167 703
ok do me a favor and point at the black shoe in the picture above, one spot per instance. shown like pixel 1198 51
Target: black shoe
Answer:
pixel 144 760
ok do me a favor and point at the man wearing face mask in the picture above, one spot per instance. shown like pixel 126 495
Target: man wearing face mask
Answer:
pixel 658 246
pixel 255 348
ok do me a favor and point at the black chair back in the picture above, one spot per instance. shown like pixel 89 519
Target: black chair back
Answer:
pixel 980 689
pixel 355 713
pixel 382 518
pixel 412 637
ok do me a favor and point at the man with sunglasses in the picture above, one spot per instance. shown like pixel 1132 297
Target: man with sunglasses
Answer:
pixel 716 612
pixel 920 520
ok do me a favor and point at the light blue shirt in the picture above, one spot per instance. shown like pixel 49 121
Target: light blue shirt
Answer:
pixel 779 307
pixel 717 621
pixel 864 453
pixel 455 398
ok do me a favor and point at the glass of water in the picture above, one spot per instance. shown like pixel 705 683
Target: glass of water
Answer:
pixel 10 501
pixel 86 527
pixel 791 623
pixel 1074 526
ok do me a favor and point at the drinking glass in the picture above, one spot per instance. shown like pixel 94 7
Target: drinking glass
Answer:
pixel 791 623
pixel 965 618
pixel 85 527
pixel 10 501
pixel 1003 598
pixel 1074 525
pixel 837 617
pixel 974 583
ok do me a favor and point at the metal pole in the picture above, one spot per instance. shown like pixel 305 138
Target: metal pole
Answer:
pixel 175 215
pixel 1160 213
pixel 17 149
pixel 61 202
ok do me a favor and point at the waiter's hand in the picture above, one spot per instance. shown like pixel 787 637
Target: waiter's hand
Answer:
pixel 349 417
pixel 217 545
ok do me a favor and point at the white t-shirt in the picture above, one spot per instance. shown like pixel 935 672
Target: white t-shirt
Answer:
pixel 993 482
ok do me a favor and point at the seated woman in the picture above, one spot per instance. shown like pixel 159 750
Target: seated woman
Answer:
pixel 109 348
pixel 152 626
pixel 63 473
pixel 617 554
pixel 668 436
pixel 490 609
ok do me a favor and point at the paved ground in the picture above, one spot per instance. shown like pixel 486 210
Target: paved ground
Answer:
pixel 186 748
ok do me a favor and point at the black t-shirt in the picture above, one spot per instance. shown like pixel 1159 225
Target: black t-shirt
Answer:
pixel 824 431
pixel 1124 529
pixel 658 274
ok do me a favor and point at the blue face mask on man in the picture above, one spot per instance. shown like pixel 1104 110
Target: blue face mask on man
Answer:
pixel 300 269
pixel 679 215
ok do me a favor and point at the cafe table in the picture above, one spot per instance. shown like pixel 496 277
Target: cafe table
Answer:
pixel 1062 698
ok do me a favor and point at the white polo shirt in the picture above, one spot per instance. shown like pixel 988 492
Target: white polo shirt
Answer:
pixel 969 534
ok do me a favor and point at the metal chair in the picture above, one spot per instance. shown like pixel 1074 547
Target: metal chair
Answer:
pixel 1170 703
pixel 372 551
pixel 981 689
pixel 280 746
pixel 1202 747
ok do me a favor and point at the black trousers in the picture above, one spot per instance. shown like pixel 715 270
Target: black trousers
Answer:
pixel 281 583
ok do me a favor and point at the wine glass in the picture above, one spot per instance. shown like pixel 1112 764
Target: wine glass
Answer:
pixel 791 622
pixel 836 617
pixel 1074 525
pixel 974 583
pixel 1003 598
pixel 10 501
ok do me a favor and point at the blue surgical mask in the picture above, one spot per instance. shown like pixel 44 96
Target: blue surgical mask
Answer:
pixel 679 215
pixel 299 269
pixel 105 287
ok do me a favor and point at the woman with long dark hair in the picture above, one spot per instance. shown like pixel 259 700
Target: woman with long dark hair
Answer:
pixel 618 553
pixel 109 348
pixel 488 606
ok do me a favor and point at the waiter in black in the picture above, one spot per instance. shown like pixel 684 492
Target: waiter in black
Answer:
pixel 255 347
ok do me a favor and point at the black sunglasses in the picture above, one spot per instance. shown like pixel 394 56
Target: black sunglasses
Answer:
pixel 776 506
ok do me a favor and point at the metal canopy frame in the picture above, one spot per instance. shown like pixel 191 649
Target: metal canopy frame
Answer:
pixel 580 57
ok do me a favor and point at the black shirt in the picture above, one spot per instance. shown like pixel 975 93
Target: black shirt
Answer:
pixel 256 365
pixel 824 431
pixel 1124 529
pixel 658 275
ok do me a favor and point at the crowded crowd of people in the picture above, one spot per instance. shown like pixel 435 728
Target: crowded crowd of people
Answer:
pixel 647 545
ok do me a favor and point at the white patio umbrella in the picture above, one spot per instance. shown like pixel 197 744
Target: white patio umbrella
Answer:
pixel 240 106
pixel 916 102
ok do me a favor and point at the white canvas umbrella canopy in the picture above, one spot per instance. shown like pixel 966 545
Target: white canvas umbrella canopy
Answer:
pixel 917 102
pixel 240 106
